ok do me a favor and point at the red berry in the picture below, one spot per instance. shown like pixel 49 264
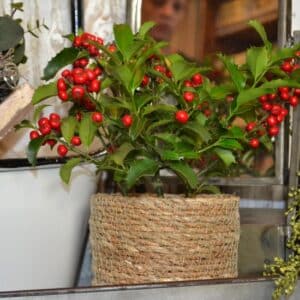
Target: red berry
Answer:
pixel 80 78
pixel 296 67
pixel 34 134
pixel 286 67
pixel 55 124
pixel 297 92
pixel 297 53
pixel 273 131
pixel 276 109
pixel 76 63
pixel 207 112
pixel 263 98
pixel 75 140
pixel 160 68
pixel 272 97
pixel 112 48
pixel 97 71
pixel 145 80
pixel 254 143
pixel 89 104
pixel 283 89
pixel 97 117
pixel 63 95
pixel 77 41
pixel 43 121
pixel 62 150
pixel 250 126
pixel 181 116
pixel 90 74
pixel 280 118
pixel 267 106
pixel 51 142
pixel 187 83
pixel 284 96
pixel 54 116
pixel 169 74
pixel 284 112
pixel 294 100
pixel 188 96
pixel 127 120
pixel 197 79
pixel 93 50
pixel 78 92
pixel 66 73
pixel 94 86
pixel 78 116
pixel 45 129
pixel 83 62
pixel 77 71
pixel 99 40
pixel 61 84
pixel 272 120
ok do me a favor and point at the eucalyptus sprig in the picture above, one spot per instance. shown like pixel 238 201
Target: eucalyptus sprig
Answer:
pixel 287 271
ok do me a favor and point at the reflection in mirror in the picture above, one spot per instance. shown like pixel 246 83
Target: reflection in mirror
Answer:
pixel 198 29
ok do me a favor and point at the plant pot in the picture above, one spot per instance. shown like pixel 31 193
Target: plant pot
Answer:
pixel 143 238
pixel 43 226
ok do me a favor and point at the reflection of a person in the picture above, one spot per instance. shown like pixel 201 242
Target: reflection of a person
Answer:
pixel 166 14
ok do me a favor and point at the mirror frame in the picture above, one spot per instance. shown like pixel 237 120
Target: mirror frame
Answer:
pixel 133 17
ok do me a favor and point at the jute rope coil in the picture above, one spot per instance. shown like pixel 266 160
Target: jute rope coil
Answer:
pixel 140 239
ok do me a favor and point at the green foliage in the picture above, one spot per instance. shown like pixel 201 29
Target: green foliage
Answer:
pixel 151 111
pixel 287 271
pixel 12 33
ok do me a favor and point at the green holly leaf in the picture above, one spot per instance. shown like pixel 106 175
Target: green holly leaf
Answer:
pixel 38 110
pixel 123 39
pixel 66 169
pixel 261 31
pixel 237 76
pixel 33 149
pixel 180 68
pixel 226 156
pixel 159 108
pixel 121 153
pixel 65 57
pixel 44 92
pixel 231 144
pixel 24 124
pixel 68 126
pixel 145 28
pixel 140 168
pixel 185 172
pixel 257 61
pixel 87 130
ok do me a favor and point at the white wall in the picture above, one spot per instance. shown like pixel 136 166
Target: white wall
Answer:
pixel 295 15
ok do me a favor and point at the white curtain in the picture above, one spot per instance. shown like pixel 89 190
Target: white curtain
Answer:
pixel 56 14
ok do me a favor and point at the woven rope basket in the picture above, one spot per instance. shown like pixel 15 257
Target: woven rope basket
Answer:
pixel 143 239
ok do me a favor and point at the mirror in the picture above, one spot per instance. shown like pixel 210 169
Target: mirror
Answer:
pixel 209 25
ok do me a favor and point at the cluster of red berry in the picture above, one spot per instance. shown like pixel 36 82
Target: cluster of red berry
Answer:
pixel 189 96
pixel 276 106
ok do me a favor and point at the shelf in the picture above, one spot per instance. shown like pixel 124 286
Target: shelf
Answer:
pixel 232 16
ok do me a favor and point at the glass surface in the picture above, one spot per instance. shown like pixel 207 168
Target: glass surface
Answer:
pixel 198 35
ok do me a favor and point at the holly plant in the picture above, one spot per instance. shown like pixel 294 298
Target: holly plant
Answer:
pixel 153 112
